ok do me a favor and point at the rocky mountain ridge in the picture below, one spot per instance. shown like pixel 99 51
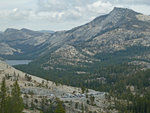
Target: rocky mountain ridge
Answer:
pixel 99 55
pixel 22 42
pixel 120 36
pixel 122 30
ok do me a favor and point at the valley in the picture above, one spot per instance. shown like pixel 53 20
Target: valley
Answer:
pixel 99 67
pixel 35 89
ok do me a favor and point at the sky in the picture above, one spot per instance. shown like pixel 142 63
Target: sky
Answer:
pixel 59 15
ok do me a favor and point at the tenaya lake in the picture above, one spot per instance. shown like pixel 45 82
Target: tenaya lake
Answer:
pixel 17 62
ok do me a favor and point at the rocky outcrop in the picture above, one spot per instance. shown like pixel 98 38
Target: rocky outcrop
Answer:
pixel 38 92
pixel 122 32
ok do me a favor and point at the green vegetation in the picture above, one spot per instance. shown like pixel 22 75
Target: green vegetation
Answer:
pixel 54 107
pixel 59 108
pixel 136 104
pixel 126 83
pixel 3 97
pixel 11 103
pixel 135 98
pixel 16 98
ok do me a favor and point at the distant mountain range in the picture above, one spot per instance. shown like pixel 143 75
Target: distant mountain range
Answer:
pixel 123 35
pixel 109 54
pixel 47 31
pixel 22 44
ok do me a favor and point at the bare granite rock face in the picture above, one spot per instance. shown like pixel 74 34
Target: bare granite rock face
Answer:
pixel 118 30
pixel 122 33
pixel 122 30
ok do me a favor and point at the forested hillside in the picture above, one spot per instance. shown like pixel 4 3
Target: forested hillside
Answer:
pixel 109 54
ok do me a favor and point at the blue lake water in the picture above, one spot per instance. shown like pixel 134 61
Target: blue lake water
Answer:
pixel 17 62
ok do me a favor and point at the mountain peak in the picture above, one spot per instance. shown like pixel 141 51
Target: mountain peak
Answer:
pixel 26 30
pixel 117 15
pixel 123 11
pixel 8 30
pixel 119 8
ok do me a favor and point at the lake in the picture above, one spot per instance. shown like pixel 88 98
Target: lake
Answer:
pixel 17 62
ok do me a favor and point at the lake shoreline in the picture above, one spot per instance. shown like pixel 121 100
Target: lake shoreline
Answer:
pixel 17 62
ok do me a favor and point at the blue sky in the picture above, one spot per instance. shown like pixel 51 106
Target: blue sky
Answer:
pixel 60 14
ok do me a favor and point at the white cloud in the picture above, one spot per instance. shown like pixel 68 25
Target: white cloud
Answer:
pixel 100 7
pixel 71 10
pixel 59 14
pixel 15 10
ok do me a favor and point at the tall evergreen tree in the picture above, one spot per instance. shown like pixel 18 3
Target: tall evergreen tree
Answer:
pixel 16 99
pixel 59 108
pixel 3 97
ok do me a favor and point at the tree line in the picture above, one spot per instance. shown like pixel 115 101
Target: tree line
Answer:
pixel 11 102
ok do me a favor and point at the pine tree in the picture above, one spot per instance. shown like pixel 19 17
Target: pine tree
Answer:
pixel 16 99
pixel 41 111
pixel 9 105
pixel 3 97
pixel 50 109
pixel 59 108
pixel 83 89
